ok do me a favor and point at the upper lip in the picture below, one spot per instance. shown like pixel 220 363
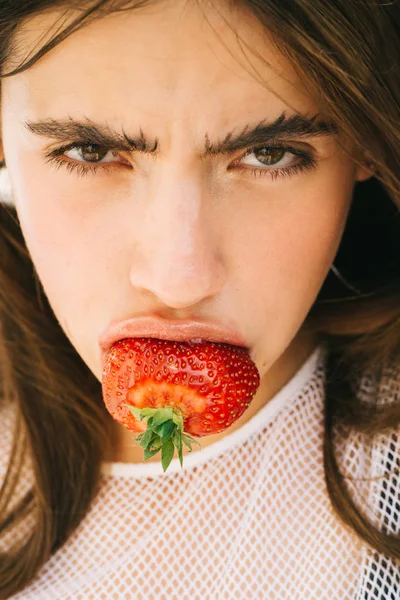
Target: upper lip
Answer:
pixel 182 330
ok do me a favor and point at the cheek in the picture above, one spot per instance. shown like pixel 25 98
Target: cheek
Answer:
pixel 290 243
pixel 61 245
pixel 313 233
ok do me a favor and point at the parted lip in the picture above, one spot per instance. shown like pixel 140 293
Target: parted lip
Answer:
pixel 180 331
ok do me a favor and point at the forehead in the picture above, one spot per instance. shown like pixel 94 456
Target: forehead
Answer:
pixel 167 60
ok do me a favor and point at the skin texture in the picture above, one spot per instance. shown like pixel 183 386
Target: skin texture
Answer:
pixel 175 235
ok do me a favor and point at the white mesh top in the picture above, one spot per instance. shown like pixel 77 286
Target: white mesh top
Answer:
pixel 247 517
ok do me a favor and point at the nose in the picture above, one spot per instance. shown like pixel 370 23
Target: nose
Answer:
pixel 178 256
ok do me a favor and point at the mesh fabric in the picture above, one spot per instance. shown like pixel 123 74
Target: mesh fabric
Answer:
pixel 248 517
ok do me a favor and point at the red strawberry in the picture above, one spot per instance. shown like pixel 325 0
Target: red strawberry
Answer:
pixel 164 389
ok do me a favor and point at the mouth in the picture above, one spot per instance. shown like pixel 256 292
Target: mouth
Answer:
pixel 179 331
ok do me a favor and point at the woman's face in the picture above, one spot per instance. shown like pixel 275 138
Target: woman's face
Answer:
pixel 243 236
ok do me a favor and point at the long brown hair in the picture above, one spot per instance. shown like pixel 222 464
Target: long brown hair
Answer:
pixel 61 424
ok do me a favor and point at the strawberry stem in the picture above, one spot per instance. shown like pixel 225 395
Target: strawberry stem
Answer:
pixel 164 432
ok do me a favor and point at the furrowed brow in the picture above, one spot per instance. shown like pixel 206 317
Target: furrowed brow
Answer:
pixel 299 126
pixel 87 132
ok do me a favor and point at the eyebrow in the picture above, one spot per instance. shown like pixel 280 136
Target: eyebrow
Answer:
pixel 87 132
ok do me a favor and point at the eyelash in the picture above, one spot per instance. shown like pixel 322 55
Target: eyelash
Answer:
pixel 307 163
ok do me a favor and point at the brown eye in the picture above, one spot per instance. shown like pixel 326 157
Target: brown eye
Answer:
pixel 92 152
pixel 269 156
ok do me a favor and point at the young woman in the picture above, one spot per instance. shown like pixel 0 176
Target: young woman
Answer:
pixel 233 165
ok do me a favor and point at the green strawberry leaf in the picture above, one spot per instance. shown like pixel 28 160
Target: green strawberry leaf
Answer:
pixel 162 415
pixel 147 412
pixel 177 441
pixel 156 443
pixel 150 422
pixel 147 438
pixel 166 429
pixel 188 441
pixel 138 438
pixel 178 420
pixel 137 413
pixel 167 453
pixel 164 432
pixel 149 453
